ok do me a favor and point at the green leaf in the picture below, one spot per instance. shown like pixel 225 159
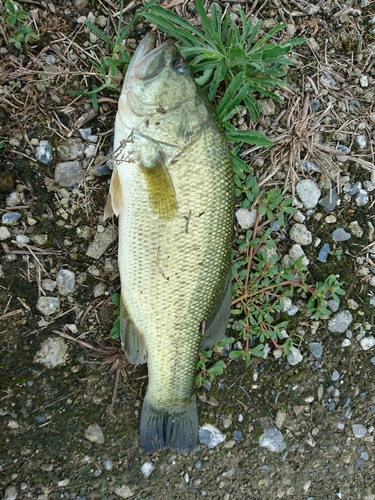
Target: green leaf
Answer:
pixel 10 7
pixel 235 354
pixel 217 368
pixel 257 351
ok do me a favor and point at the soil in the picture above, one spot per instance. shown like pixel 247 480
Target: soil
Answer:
pixel 45 411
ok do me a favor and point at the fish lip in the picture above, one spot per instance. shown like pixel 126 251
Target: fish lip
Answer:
pixel 145 50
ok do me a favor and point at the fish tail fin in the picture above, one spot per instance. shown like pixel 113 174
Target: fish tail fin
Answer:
pixel 169 427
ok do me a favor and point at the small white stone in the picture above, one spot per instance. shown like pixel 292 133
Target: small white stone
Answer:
pixel 364 81
pixel 147 468
pixel 294 357
pixel 94 434
pixel 4 233
pixel 367 342
pixel 246 218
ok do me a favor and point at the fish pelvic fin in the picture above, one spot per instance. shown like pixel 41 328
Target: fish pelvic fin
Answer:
pixel 132 340
pixel 174 427
pixel 161 193
pixel 114 202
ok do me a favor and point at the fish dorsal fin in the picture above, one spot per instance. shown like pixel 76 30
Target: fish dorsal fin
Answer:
pixel 114 201
pixel 132 340
pixel 216 324
pixel 161 193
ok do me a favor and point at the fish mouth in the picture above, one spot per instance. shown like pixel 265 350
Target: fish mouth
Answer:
pixel 147 60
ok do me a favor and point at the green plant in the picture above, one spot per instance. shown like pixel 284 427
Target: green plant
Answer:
pixel 225 51
pixel 115 331
pixel 21 32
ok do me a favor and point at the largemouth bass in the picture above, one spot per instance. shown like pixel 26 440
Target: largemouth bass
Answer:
pixel 172 188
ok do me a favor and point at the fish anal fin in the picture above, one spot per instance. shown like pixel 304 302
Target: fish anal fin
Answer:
pixel 161 193
pixel 173 427
pixel 108 210
pixel 132 340
pixel 216 324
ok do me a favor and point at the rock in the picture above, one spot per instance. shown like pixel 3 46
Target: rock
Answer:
pixel 10 218
pixel 246 218
pixel 210 436
pixel 237 435
pixel 355 188
pixel 68 174
pixel 326 78
pixel 14 199
pixel 124 492
pixel 147 468
pixel 4 233
pixel 323 253
pixel 363 81
pixel 340 322
pixel 66 282
pixel 361 198
pixel 101 243
pixel 11 493
pixel 266 107
pixel 316 349
pixel 367 342
pixel 296 252
pixel 340 234
pixel 280 418
pixel 300 234
pixel 49 285
pixel 335 376
pixel 48 305
pixel 43 152
pixel 308 192
pixel 361 141
pixel 53 352
pixel 71 149
pixel 294 357
pixel 85 133
pixel 356 229
pixel 329 202
pixel 344 149
pixel 359 430
pixel 94 434
pixel 315 105
pixel 273 440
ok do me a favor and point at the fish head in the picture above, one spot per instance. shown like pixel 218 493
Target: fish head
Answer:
pixel 158 79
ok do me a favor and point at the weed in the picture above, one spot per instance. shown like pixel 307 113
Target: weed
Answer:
pixel 21 31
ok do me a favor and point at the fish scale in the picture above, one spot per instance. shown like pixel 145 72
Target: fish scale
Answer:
pixel 172 187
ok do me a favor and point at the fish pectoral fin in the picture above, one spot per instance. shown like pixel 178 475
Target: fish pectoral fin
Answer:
pixel 161 193
pixel 114 202
pixel 216 324
pixel 132 340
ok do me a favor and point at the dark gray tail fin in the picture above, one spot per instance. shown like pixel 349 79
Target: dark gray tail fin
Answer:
pixel 169 427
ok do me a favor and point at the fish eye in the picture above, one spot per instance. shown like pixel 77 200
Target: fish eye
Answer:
pixel 178 64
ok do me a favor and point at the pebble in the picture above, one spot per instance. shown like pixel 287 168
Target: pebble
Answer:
pixel 210 436
pixel 294 357
pixel 355 229
pixel 335 376
pixel 99 290
pixel 85 133
pixel 308 192
pixel 367 342
pixel 359 430
pixel 71 149
pixel 124 491
pixel 300 234
pixel 316 349
pixel 66 282
pixel 4 233
pixel 330 219
pixel 363 81
pixel 273 440
pixel 266 107
pixel 147 468
pixel 329 202
pixel 48 305
pixel 13 199
pixel 361 198
pixel 361 141
pixel 355 188
pixel 327 79
pixel 11 493
pixel 50 59
pixel 298 216
pixel 90 151
pixel 94 434
pixel 340 234
pixel 315 105
pixel 10 218
pixel 310 166
pixel 344 149
pixel 296 252
pixel 49 285
pixel 237 435
pixel 340 322
pixel 68 174
pixel 53 352
pixel 101 243
pixel 246 218
pixel 43 152
pixel 323 253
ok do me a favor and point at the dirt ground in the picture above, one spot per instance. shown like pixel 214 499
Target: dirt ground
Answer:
pixel 324 406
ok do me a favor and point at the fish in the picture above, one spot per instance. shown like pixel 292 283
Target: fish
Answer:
pixel 173 191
